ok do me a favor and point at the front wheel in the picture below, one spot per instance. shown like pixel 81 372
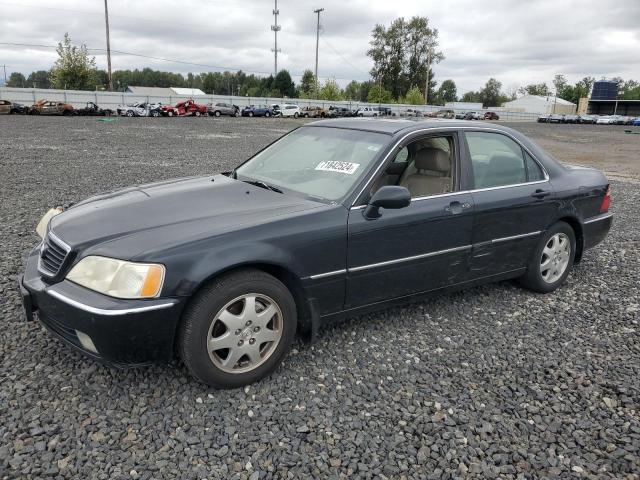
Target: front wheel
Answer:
pixel 552 259
pixel 238 329
pixel 129 113
pixel 267 114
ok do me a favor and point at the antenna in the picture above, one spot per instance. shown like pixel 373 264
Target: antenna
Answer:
pixel 276 28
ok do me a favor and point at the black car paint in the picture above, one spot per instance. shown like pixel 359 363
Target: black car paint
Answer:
pixel 336 261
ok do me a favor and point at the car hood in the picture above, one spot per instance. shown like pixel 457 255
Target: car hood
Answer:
pixel 147 217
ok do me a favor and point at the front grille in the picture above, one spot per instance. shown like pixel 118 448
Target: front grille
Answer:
pixel 53 253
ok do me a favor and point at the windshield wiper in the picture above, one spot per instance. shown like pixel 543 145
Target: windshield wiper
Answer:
pixel 261 184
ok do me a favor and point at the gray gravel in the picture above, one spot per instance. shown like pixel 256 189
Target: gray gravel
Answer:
pixel 494 382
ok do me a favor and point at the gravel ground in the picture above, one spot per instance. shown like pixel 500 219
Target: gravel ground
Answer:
pixel 494 382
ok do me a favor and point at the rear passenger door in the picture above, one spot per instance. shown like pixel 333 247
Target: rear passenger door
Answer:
pixel 513 199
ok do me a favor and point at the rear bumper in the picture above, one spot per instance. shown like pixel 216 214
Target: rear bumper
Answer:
pixel 595 229
pixel 121 332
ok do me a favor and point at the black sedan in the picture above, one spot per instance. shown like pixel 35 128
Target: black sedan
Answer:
pixel 336 218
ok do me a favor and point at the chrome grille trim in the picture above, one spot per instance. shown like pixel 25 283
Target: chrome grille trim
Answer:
pixel 53 253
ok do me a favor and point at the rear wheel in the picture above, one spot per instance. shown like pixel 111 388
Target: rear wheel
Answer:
pixel 267 114
pixel 238 329
pixel 251 114
pixel 552 259
pixel 197 113
pixel 129 113
pixel 170 113
pixel 217 113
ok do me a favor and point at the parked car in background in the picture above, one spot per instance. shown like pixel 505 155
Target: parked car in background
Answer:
pixel 367 112
pixel 340 112
pixel 5 107
pixel 334 219
pixel 491 116
pixel 543 118
pixel 460 115
pixel 313 112
pixel 92 109
pixel 18 109
pixel 410 112
pixel 257 111
pixel 290 110
pixel 445 113
pixel 636 121
pixel 185 108
pixel 587 119
pixel 47 107
pixel 468 115
pixel 478 116
pixel 217 109
pixel 386 112
pixel 606 120
pixel 556 118
pixel 141 109
pixel 626 120
pixel 571 119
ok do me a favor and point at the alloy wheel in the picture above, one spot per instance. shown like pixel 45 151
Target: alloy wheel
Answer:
pixel 245 333
pixel 555 257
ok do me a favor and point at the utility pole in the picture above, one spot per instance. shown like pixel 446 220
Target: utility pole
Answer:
pixel 426 82
pixel 5 74
pixel 106 21
pixel 276 28
pixel 317 11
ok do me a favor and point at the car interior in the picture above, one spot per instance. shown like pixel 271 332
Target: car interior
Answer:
pixel 424 167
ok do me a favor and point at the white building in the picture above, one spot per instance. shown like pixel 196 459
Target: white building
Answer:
pixel 540 104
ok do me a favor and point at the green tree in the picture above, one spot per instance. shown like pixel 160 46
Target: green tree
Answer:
pixel 402 52
pixel 16 79
pixel 629 90
pixel 472 97
pixel 379 94
pixel 307 82
pixel 490 94
pixel 364 90
pixel 39 79
pixel 535 89
pixel 352 91
pixel 284 84
pixel 413 97
pixel 330 90
pixel 74 69
pixel 447 92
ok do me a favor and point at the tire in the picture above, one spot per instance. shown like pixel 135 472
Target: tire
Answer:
pixel 295 115
pixel 170 113
pixel 561 261
pixel 129 113
pixel 197 113
pixel 251 114
pixel 267 114
pixel 201 325
pixel 236 114
pixel 217 113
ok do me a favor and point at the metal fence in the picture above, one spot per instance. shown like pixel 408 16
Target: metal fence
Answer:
pixel 78 98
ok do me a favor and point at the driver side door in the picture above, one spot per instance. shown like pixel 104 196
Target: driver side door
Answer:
pixel 419 248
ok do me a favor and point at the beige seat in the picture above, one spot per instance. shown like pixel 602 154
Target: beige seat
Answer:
pixel 432 173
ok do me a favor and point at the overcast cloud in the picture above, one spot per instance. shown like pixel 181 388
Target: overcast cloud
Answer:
pixel 518 42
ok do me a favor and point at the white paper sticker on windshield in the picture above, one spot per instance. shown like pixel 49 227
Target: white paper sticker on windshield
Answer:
pixel 340 167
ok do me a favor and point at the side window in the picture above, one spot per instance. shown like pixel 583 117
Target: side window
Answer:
pixel 402 156
pixel 496 160
pixel 430 169
pixel 534 172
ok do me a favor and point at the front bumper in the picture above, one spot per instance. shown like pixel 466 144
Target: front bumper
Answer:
pixel 123 332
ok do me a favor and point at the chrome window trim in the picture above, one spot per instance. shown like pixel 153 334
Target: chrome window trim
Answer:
pixel 597 218
pixel 407 259
pixel 106 312
pixel 455 129
pixel 516 237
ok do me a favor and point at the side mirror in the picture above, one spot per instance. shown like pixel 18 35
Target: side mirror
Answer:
pixel 389 196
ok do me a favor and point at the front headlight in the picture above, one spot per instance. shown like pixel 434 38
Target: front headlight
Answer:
pixel 118 278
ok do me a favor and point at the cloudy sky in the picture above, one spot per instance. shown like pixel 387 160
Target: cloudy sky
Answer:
pixel 518 42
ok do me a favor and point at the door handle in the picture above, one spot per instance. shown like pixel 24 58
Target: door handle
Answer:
pixel 540 194
pixel 456 207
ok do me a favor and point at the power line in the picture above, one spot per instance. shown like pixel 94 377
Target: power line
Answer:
pixel 162 59
pixel 343 58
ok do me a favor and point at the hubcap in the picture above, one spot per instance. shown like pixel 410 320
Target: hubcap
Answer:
pixel 244 333
pixel 555 257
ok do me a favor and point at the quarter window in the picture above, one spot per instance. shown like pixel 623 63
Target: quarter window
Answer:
pixel 496 160
pixel 534 172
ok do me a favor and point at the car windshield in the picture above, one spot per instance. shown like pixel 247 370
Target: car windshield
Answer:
pixel 321 163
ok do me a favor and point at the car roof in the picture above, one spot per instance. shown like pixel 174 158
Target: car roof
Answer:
pixel 393 126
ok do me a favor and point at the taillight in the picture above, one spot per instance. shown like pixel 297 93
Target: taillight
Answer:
pixel 606 201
